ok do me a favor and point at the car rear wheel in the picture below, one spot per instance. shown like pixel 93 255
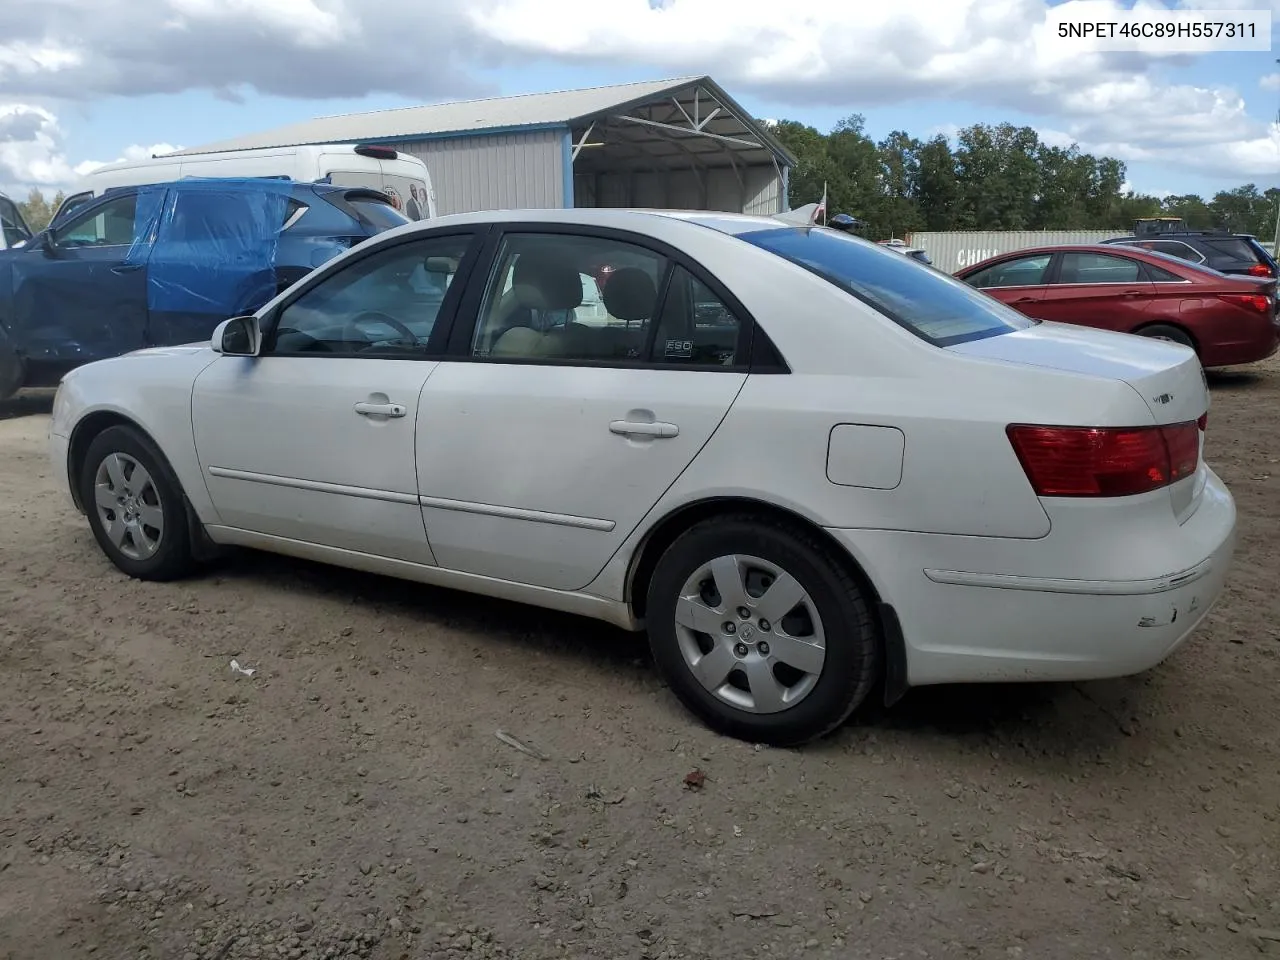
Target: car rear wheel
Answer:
pixel 1165 331
pixel 135 506
pixel 761 631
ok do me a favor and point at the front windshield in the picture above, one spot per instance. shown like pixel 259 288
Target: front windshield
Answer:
pixel 933 305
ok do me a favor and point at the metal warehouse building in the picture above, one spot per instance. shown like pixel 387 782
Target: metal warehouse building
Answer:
pixel 679 143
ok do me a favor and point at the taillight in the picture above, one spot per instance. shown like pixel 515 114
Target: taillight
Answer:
pixel 1105 461
pixel 1203 422
pixel 1257 302
pixel 1259 270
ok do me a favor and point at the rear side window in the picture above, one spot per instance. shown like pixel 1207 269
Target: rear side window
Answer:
pixel 379 213
pixel 1160 275
pixel 932 305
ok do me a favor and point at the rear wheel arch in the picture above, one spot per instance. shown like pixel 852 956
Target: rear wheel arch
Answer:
pixel 1151 327
pixel 666 531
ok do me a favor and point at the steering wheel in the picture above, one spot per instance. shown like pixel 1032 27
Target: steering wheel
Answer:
pixel 353 326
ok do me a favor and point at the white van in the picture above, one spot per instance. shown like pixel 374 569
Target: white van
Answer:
pixel 401 176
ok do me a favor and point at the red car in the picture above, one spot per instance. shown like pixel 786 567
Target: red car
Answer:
pixel 1225 319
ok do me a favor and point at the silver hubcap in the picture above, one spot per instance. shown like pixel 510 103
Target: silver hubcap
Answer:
pixel 129 506
pixel 750 634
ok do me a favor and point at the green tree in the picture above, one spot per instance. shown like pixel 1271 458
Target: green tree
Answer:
pixel 937 191
pixel 36 210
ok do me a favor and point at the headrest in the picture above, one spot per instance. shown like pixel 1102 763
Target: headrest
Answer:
pixel 629 294
pixel 548 280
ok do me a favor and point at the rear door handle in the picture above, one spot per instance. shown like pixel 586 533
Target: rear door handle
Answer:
pixel 366 409
pixel 1025 300
pixel 1132 293
pixel 631 428
pixel 126 267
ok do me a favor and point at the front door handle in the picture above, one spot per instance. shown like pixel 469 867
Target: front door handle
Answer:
pixel 380 409
pixel 126 267
pixel 631 428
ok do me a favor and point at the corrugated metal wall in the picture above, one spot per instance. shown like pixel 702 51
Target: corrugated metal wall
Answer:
pixel 760 190
pixel 953 249
pixel 500 171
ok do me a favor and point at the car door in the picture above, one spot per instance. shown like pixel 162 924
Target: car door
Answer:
pixel 80 290
pixel 213 255
pixel 1110 292
pixel 1017 281
pixel 551 430
pixel 313 440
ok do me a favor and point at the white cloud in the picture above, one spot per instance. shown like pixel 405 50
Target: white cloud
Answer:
pixel 999 54
pixel 33 154
pixel 1270 81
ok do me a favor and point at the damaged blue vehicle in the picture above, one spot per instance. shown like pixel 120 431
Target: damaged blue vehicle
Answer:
pixel 163 264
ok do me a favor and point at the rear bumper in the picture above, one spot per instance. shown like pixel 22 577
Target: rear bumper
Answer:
pixel 1257 341
pixel 1003 622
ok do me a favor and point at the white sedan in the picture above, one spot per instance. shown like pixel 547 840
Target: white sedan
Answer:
pixel 811 468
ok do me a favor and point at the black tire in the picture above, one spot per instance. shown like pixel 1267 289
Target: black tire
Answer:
pixel 1167 331
pixel 172 557
pixel 853 650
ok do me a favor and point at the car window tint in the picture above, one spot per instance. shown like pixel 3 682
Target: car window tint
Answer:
pixel 695 326
pixel 1025 271
pixel 1097 268
pixel 1233 248
pixel 929 303
pixel 564 297
pixel 1160 275
pixel 108 224
pixel 1173 248
pixel 383 304
pixel 379 213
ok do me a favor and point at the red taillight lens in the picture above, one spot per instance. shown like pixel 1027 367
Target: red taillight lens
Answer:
pixel 1203 422
pixel 1257 302
pixel 1105 461
pixel 1259 270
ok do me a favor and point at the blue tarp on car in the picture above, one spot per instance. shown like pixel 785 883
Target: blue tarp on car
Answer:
pixel 209 245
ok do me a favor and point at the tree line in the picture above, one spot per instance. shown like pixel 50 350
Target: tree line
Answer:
pixel 996 177
pixel 37 211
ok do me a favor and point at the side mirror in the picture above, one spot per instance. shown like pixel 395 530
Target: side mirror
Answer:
pixel 237 337
pixel 43 241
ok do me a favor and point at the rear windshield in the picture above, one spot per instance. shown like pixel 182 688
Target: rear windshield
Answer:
pixel 932 305
pixel 379 213
pixel 1237 248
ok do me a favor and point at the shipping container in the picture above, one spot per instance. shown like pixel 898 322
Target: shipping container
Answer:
pixel 952 249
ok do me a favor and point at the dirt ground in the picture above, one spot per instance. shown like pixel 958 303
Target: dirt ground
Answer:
pixel 352 799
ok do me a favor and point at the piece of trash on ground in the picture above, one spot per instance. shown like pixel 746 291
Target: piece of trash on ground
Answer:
pixel 520 745
pixel 247 671
pixel 694 780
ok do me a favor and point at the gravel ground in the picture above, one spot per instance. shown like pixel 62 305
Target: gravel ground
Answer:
pixel 352 798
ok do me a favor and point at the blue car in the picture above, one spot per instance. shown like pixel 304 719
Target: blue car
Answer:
pixel 163 264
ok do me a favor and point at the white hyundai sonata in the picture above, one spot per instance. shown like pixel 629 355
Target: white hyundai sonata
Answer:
pixel 811 468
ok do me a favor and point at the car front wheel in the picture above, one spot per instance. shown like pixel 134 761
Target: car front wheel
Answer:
pixel 761 630
pixel 135 505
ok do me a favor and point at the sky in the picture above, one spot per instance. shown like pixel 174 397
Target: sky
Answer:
pixel 84 82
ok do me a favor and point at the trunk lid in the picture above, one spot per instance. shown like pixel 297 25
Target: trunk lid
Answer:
pixel 1167 376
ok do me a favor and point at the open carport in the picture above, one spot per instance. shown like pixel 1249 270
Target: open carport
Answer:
pixel 682 143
